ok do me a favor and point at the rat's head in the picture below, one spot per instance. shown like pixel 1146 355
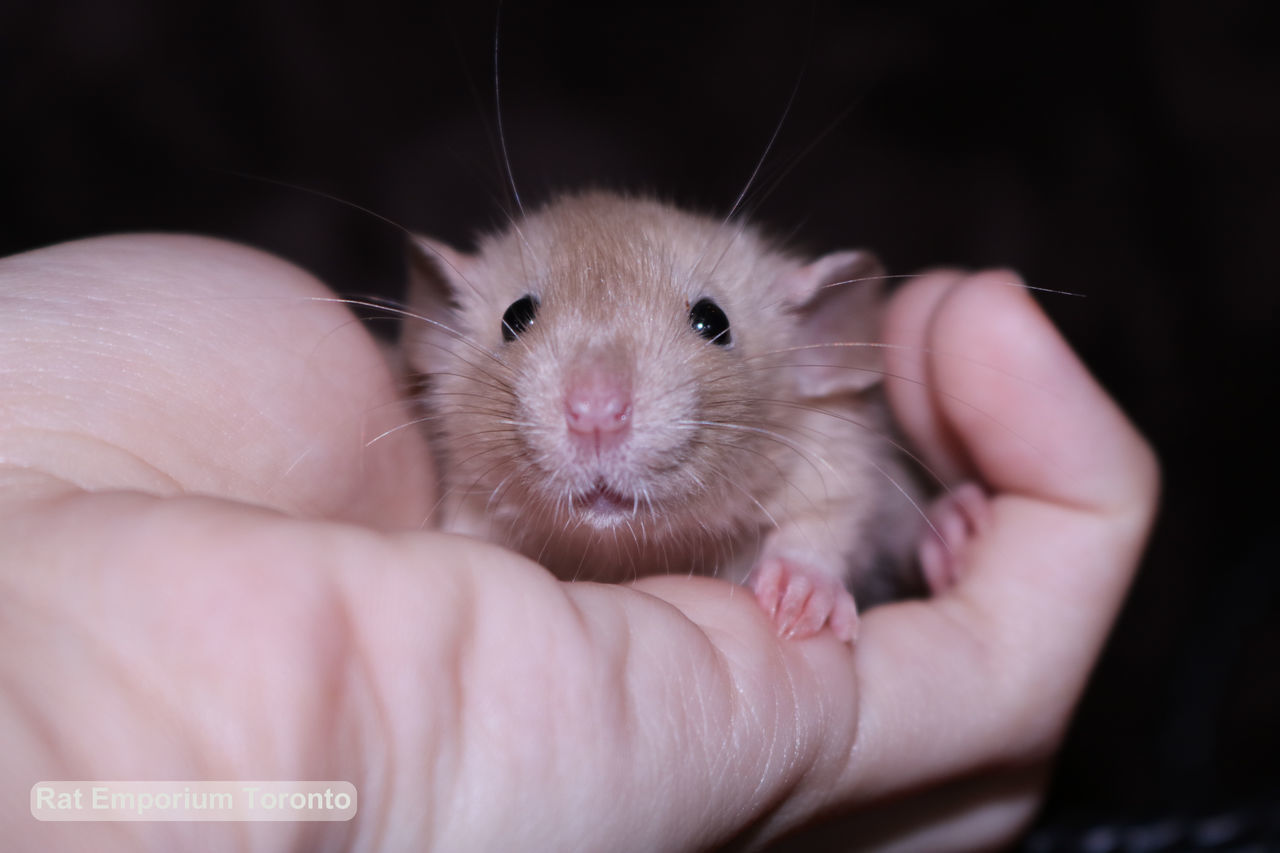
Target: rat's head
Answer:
pixel 611 361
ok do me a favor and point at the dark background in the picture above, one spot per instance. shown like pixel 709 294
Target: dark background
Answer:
pixel 1126 152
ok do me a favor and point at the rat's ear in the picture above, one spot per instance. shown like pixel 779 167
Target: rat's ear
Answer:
pixel 437 274
pixel 837 299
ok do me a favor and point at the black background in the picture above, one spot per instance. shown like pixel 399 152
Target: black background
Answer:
pixel 1126 151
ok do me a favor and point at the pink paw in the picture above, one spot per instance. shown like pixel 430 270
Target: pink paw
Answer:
pixel 800 599
pixel 957 517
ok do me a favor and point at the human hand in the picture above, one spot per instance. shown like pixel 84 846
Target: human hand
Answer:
pixel 210 573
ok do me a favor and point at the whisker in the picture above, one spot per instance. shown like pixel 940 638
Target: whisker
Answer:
pixel 497 102
pixel 776 180
pixel 758 431
pixel 914 504
pixel 915 350
pixel 395 429
pixel 409 315
pixel 879 434
pixel 737 203
pixel 773 138
pixel 1015 284
pixel 493 495
pixel 320 194
pixel 953 397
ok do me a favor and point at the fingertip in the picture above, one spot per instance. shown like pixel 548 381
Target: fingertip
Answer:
pixel 991 670
pixel 909 373
pixel 1031 416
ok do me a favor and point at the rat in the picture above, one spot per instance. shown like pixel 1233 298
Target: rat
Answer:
pixel 616 387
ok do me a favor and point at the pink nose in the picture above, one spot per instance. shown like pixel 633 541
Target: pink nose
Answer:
pixel 597 407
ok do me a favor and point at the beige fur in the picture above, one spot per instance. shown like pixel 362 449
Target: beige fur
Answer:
pixel 796 464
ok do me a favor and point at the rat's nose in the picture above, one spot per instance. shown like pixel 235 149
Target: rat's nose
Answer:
pixel 597 407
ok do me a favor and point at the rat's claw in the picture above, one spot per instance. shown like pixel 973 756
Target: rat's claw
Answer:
pixel 957 518
pixel 800 600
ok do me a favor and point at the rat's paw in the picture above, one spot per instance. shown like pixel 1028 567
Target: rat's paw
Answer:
pixel 800 598
pixel 957 517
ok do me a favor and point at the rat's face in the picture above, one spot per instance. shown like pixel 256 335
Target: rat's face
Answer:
pixel 616 367
pixel 620 386
pixel 615 372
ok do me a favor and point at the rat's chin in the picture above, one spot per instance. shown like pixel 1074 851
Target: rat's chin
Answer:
pixel 602 506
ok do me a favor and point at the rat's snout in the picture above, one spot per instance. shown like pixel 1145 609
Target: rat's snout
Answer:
pixel 597 404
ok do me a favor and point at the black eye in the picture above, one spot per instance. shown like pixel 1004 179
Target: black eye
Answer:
pixel 519 316
pixel 709 321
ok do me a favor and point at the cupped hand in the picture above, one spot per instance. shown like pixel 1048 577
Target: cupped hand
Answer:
pixel 212 567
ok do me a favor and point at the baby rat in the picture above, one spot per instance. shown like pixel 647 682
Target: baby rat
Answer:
pixel 615 387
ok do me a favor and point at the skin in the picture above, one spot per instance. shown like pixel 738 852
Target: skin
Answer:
pixel 206 572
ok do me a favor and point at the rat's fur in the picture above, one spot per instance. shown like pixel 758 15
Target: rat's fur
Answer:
pixel 775 447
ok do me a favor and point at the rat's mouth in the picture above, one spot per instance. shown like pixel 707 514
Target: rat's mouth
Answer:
pixel 601 500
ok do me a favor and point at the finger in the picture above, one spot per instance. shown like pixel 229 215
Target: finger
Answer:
pixel 175 364
pixel 990 672
pixel 910 382
pixel 984 384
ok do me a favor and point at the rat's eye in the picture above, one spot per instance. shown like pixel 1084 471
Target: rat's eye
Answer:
pixel 519 316
pixel 709 321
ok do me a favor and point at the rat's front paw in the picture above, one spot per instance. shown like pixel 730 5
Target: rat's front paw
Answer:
pixel 955 519
pixel 799 598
